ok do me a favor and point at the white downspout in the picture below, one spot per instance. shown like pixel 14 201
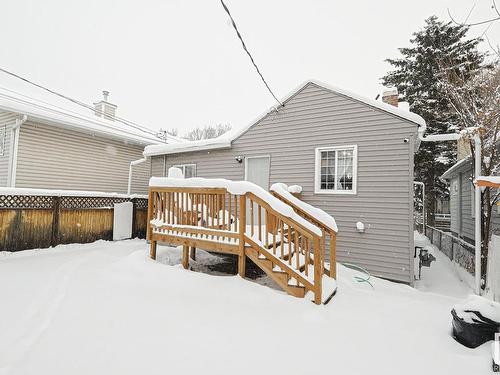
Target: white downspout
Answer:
pixel 132 163
pixel 477 212
pixel 14 145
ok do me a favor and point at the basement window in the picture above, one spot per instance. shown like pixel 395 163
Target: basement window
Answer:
pixel 188 170
pixel 335 170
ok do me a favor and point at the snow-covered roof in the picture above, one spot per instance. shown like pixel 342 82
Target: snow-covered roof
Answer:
pixel 450 171
pixel 225 140
pixel 50 114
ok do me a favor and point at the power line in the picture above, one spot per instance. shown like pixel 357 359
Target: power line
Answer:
pixel 248 53
pixel 38 103
pixel 80 103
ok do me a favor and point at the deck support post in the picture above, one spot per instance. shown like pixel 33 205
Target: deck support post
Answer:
pixel 185 256
pixel 333 255
pixel 242 228
pixel 152 249
pixel 193 253
pixel 318 271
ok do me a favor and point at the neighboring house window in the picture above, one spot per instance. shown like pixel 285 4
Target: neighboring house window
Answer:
pixel 335 170
pixel 3 136
pixel 188 170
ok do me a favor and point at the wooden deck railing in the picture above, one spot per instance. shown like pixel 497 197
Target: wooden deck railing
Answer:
pixel 328 233
pixel 289 251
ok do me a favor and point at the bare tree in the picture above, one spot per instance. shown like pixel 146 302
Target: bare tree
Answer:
pixel 495 17
pixel 207 132
pixel 476 101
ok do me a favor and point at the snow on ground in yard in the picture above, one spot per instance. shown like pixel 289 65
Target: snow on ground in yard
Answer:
pixel 106 308
pixel 442 276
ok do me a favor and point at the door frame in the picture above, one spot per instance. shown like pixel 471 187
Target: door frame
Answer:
pixel 258 157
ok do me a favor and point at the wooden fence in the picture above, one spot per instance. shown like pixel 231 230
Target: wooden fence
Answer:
pixel 40 221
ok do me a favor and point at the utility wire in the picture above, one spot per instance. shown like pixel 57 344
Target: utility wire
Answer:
pixel 38 103
pixel 248 53
pixel 80 103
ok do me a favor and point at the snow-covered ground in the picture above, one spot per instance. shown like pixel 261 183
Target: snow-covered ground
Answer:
pixel 443 276
pixel 106 308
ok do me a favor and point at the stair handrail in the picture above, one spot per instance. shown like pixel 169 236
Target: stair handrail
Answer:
pixel 324 228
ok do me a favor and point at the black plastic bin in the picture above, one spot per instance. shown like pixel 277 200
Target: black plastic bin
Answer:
pixel 473 334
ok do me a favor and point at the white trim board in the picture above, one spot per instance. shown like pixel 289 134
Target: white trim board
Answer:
pixel 317 170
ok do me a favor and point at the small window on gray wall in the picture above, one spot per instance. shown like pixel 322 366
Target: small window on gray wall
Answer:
pixel 3 139
pixel 188 170
pixel 336 170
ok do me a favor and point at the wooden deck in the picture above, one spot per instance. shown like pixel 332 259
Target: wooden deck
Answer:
pixel 213 219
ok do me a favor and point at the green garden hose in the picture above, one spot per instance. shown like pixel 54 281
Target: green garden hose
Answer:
pixel 360 279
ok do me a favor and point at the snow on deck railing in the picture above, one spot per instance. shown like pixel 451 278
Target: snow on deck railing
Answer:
pixel 317 213
pixel 236 188
pixel 493 180
pixel 66 193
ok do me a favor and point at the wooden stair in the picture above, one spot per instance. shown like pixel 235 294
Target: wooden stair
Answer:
pixel 275 272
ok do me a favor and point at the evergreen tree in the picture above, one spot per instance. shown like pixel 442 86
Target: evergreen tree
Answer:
pixel 416 78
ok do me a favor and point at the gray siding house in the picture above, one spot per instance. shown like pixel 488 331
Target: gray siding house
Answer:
pixel 46 147
pixel 459 178
pixel 352 156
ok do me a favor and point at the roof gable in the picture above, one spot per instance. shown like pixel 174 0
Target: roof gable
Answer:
pixel 226 140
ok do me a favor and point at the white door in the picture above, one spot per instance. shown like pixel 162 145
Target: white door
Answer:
pixel 257 170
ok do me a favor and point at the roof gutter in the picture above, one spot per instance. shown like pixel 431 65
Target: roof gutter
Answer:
pixel 14 145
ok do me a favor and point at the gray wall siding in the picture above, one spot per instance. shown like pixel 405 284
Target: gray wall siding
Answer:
pixel 455 205
pixel 56 158
pixel 316 117
pixel 462 219
pixel 7 120
pixel 158 166
pixel 466 206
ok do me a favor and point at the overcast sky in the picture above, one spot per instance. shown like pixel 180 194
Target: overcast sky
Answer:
pixel 178 64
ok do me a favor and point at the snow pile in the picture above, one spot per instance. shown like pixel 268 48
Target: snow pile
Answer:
pixel 107 308
pixel 295 189
pixel 467 309
pixel 66 193
pixel 174 172
pixel 236 188
pixel 320 215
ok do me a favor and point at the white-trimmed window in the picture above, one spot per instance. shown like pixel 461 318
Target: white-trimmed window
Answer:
pixel 336 170
pixel 188 170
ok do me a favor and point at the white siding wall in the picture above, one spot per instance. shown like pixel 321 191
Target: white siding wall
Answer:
pixel 7 119
pixel 56 158
pixel 316 117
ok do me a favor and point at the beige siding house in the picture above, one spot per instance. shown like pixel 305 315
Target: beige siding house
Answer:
pixel 352 156
pixel 46 147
